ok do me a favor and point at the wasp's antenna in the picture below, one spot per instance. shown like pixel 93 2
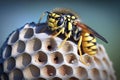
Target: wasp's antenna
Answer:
pixel 42 15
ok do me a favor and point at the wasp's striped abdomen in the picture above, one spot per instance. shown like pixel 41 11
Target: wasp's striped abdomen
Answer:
pixel 89 44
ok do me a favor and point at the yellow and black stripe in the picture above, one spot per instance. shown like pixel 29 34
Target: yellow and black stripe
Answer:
pixel 89 44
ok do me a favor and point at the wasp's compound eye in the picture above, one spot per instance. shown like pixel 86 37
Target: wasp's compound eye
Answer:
pixel 60 21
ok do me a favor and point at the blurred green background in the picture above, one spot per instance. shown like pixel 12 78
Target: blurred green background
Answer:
pixel 102 16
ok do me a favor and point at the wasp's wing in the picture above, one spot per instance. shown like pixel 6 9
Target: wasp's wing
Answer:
pixel 88 29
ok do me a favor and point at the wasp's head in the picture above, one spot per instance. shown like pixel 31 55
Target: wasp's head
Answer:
pixel 55 20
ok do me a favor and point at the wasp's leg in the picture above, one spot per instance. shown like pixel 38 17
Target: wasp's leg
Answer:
pixel 79 49
pixel 63 42
pixel 61 31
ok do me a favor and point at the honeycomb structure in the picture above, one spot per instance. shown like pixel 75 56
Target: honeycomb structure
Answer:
pixel 31 53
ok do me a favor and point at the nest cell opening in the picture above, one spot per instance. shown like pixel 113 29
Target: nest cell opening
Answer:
pixel 98 62
pixel 95 74
pixel 81 73
pixel 13 37
pixel 9 64
pixel 111 77
pixel 31 72
pixel 88 59
pixel 71 58
pixel 40 79
pixel 7 51
pixel 48 71
pixel 16 74
pixel 56 78
pixel 106 62
pixel 23 60
pixel 33 45
pixel 105 75
pixel 40 58
pixel 18 47
pixel 67 47
pixel 73 78
pixel 50 44
pixel 26 33
pixel 56 57
pixel 65 70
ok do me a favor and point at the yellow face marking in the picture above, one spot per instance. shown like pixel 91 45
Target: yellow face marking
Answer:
pixel 73 17
pixel 50 24
pixel 51 20
pixel 68 16
pixel 55 23
pixel 52 14
pixel 68 19
pixel 57 15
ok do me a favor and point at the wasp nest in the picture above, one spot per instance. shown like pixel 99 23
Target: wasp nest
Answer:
pixel 30 54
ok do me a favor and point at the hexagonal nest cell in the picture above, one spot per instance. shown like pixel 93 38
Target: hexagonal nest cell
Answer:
pixel 29 54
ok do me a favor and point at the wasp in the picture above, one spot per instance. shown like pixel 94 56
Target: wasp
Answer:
pixel 68 23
